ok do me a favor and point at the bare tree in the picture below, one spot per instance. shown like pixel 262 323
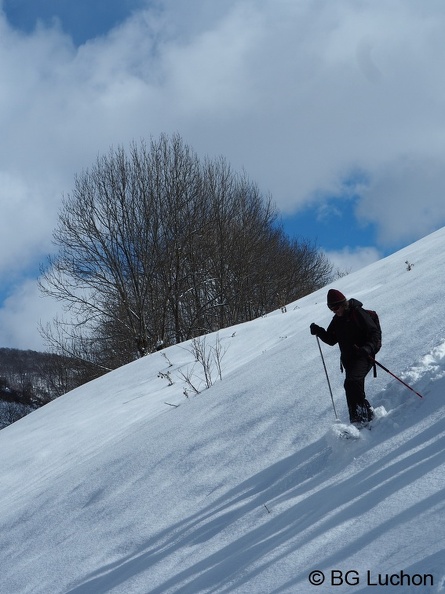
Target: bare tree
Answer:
pixel 156 246
pixel 10 412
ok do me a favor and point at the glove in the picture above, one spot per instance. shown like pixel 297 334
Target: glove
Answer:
pixel 315 330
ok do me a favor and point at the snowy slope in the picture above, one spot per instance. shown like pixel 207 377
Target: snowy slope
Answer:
pixel 243 488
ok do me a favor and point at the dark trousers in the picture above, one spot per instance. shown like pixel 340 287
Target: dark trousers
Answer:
pixel 360 410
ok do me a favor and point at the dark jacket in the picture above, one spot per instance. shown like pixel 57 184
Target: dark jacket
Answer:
pixel 354 329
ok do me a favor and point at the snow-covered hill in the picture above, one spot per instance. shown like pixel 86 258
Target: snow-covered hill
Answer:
pixel 127 486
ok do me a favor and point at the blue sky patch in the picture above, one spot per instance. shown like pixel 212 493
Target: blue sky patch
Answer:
pixel 81 19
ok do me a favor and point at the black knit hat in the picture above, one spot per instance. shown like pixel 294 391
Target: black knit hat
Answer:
pixel 335 297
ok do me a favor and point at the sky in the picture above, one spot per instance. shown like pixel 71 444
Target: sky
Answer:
pixel 335 109
pixel 127 486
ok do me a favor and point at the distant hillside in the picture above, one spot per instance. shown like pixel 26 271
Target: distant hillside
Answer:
pixel 30 379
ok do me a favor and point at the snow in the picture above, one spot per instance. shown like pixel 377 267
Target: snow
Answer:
pixel 126 485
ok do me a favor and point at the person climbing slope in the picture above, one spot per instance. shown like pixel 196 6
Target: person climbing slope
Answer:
pixel 358 338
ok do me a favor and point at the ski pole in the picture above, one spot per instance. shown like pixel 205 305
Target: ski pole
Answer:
pixel 394 376
pixel 327 377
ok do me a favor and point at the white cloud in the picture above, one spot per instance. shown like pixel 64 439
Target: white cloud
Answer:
pixel 25 227
pixel 21 314
pixel 298 93
pixel 406 198
pixel 349 259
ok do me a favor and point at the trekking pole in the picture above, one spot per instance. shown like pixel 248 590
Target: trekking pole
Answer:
pixel 327 377
pixel 394 376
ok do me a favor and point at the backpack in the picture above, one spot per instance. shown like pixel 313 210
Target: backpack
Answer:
pixel 375 318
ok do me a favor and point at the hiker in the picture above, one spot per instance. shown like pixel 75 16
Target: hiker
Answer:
pixel 358 337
